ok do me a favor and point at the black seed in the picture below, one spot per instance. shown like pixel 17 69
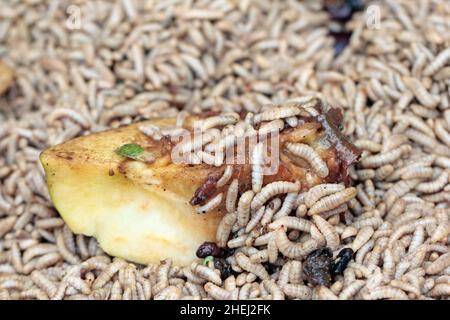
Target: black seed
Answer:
pixel 317 267
pixel 224 267
pixel 208 249
pixel 342 260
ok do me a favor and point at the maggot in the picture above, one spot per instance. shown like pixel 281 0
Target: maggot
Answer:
pixel 328 231
pixel 307 153
pixel 211 204
pixel 272 189
pixel 224 228
pixel 293 250
pixel 257 167
pixel 243 209
pixel 277 113
pixel 384 158
pixel 231 197
pixel 321 190
pixel 332 201
pixel 257 269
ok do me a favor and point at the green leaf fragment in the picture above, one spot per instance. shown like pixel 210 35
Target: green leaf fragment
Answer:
pixel 207 260
pixel 130 150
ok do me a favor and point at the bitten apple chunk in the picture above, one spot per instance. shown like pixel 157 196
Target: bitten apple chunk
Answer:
pixel 137 211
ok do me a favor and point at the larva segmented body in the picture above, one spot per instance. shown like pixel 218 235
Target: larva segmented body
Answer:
pixel 297 291
pixel 291 223
pixel 307 153
pixel 293 250
pixel 321 190
pixel 272 189
pixel 224 228
pixel 387 157
pixel 231 197
pixel 257 167
pixel 328 231
pixel 211 204
pixel 257 269
pixel 332 201
pixel 277 113
pixel 243 209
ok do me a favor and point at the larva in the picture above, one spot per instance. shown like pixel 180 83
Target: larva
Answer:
pixel 385 292
pixel 441 132
pixel 256 217
pixel 206 273
pixel 328 231
pixel 211 204
pixel 368 145
pixel 421 93
pixel 417 172
pixel 258 269
pixel 439 61
pixel 216 292
pixel 307 153
pixel 231 197
pixel 271 208
pixel 277 113
pixel 243 209
pixel 434 186
pixel 220 120
pixel 273 289
pixel 291 223
pixel 439 264
pixel 287 205
pixel 351 290
pixel 416 123
pixel 332 201
pixel 364 235
pixel 321 190
pixel 440 289
pixel 269 127
pixel 257 167
pixel 297 291
pixel 293 250
pixel 224 229
pixel 384 158
pixel 272 189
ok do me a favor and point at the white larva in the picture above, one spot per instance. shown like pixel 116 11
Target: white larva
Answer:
pixel 287 206
pixel 351 290
pixel 307 153
pixel 291 223
pixel 297 291
pixel 364 235
pixel 321 190
pixel 328 231
pixel 439 264
pixel 231 197
pixel 271 127
pixel 224 229
pixel 277 113
pixel 332 201
pixel 385 292
pixel 206 273
pixel 255 268
pixel 293 250
pixel 439 61
pixel 243 209
pixel 384 158
pixel 257 167
pixel 211 204
pixel 272 189
pixel 421 93
pixel 255 219
pixel 271 208
pixel 434 186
